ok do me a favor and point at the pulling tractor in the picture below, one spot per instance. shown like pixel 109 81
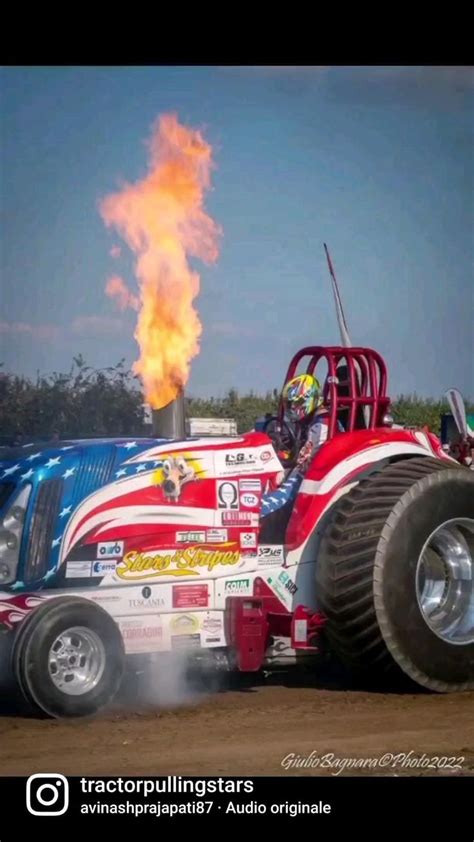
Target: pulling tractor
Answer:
pixel 122 547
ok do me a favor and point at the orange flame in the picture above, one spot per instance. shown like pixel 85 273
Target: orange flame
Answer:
pixel 162 219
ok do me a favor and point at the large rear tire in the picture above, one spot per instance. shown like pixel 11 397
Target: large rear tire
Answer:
pixel 395 576
pixel 68 658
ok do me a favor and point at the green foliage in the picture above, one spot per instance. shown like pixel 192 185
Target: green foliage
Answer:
pixel 418 412
pixel 87 402
pixel 83 402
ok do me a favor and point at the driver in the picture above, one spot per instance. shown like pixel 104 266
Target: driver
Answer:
pixel 304 406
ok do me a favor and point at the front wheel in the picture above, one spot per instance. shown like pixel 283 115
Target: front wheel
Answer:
pixel 68 657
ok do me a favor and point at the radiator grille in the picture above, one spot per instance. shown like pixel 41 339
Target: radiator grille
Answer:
pixel 43 520
pixel 94 471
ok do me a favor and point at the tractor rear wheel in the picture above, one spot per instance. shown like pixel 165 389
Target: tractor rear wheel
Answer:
pixel 395 576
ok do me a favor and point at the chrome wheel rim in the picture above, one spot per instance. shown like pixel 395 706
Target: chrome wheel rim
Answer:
pixel 76 661
pixel 445 581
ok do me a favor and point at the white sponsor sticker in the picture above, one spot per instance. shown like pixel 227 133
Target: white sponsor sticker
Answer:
pixel 228 495
pixel 240 518
pixel 254 486
pixel 301 631
pixel 190 537
pixel 249 460
pixel 141 635
pixel 248 539
pixel 110 549
pixel 273 554
pixel 78 569
pixel 212 625
pixel 217 536
pixel 102 568
pixel 248 500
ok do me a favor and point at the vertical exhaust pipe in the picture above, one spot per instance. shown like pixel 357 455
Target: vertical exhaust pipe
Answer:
pixel 169 421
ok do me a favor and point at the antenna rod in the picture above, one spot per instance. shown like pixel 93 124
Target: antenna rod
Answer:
pixel 341 319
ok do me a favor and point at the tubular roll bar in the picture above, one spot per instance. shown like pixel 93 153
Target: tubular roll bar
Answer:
pixel 367 383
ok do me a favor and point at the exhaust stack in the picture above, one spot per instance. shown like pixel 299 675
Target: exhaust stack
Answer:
pixel 169 421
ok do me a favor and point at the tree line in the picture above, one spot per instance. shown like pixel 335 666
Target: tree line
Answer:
pixel 87 402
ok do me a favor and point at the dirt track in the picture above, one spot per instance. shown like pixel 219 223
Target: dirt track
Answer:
pixel 249 731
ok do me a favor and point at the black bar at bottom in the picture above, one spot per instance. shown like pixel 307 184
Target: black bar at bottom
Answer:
pixel 54 802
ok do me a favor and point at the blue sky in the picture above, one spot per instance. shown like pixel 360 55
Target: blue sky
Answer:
pixel 377 162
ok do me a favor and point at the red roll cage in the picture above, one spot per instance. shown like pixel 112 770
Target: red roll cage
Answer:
pixel 355 386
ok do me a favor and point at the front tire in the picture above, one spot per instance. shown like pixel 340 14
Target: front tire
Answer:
pixel 395 576
pixel 68 658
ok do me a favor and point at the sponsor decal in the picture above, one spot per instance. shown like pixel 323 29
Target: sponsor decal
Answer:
pixel 101 568
pixel 190 537
pixel 248 500
pixel 186 562
pixel 227 495
pixel 217 536
pixel 277 587
pixel 212 624
pixel 212 640
pixel 281 648
pixel 190 596
pixel 186 641
pixel 105 597
pixel 155 602
pixel 110 549
pixel 239 518
pixel 248 540
pixel 141 635
pixel 236 586
pixel 270 555
pixel 184 624
pixel 78 569
pixel 240 462
pixel 254 486
pixel 265 456
pixel 244 458
pixel 287 582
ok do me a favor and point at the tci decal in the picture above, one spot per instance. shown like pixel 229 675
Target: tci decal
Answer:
pixel 248 501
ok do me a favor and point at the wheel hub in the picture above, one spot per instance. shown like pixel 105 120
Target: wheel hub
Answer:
pixel 445 581
pixel 76 661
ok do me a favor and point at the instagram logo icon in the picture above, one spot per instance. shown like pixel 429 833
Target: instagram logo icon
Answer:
pixel 47 795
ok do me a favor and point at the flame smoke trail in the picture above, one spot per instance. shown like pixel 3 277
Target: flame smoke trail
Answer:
pixel 162 219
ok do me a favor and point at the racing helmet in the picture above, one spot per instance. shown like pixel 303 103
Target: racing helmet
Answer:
pixel 301 396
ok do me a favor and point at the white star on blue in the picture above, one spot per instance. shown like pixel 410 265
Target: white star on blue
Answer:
pixel 51 463
pixel 275 500
pixel 134 469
